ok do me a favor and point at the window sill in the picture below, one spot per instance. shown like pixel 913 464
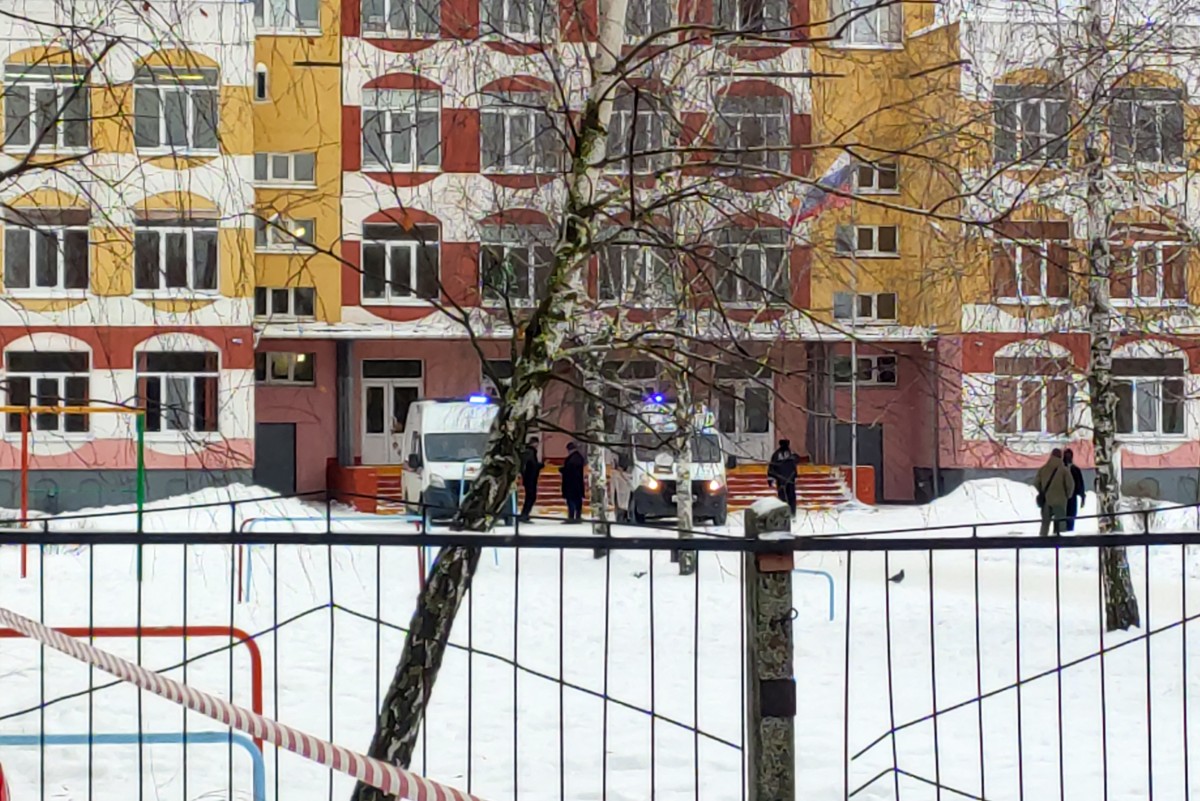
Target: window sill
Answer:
pixel 47 294
pixel 513 303
pixel 869 255
pixel 183 294
pixel 267 319
pixel 1150 303
pixel 396 302
pixel 284 185
pixel 870 321
pixel 401 169
pixel 751 305
pixel 867 45
pixel 1149 439
pixel 1149 166
pixel 284 251
pixel 875 192
pixel 265 31
pixel 861 384
pixel 521 171
pixel 46 150
pixel 395 35
pixel 278 383
pixel 159 152
pixel 1031 436
pixel 1033 301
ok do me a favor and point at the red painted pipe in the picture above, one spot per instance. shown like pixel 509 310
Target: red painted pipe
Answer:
pixel 256 679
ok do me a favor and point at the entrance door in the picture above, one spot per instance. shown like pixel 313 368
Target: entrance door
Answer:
pixel 870 450
pixel 743 410
pixel 385 408
pixel 275 457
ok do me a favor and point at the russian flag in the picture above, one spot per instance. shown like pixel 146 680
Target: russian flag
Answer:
pixel 822 195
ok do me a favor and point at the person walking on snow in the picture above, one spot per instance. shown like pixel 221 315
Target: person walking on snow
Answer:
pixel 1075 503
pixel 782 473
pixel 1054 487
pixel 531 469
pixel 572 483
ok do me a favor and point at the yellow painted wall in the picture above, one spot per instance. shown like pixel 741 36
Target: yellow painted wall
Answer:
pixel 304 114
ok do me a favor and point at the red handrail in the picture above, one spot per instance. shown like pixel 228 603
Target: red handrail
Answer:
pixel 256 680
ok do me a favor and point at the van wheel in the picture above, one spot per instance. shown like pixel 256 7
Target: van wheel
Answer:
pixel 622 516
pixel 638 517
pixel 721 516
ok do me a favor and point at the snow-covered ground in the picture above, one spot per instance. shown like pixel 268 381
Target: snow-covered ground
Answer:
pixel 545 609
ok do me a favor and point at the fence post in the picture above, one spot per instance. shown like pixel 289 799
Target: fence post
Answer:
pixel 770 680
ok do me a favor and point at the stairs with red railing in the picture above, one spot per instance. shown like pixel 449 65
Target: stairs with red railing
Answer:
pixel 390 489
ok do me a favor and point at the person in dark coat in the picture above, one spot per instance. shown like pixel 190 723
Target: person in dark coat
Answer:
pixel 782 473
pixel 1075 502
pixel 531 469
pixel 572 483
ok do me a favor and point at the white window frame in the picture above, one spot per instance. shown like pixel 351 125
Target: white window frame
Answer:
pixel 278 234
pixel 733 390
pixel 266 362
pixel 866 24
pixel 1023 397
pixel 285 18
pixel 32 235
pixel 381 23
pixel 737 15
pixel 190 232
pixel 753 291
pixel 651 129
pixel 875 170
pixel 392 295
pixel 423 107
pixel 509 10
pixel 265 173
pixel 63 81
pixel 167 424
pixel 268 294
pixel 1136 298
pixel 1155 391
pixel 1036 144
pixel 656 16
pixel 1158 105
pixel 508 108
pixel 736 113
pixel 865 306
pixel 875 367
pixel 509 239
pixel 1024 295
pixel 873 252
pixel 54 423
pixel 191 84
pixel 646 277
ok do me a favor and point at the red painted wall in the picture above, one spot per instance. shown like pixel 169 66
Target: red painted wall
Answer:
pixel 313 410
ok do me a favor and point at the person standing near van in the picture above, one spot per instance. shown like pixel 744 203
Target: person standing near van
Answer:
pixel 1054 487
pixel 531 471
pixel 1080 495
pixel 572 483
pixel 782 473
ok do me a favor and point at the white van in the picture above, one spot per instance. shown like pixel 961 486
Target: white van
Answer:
pixel 646 473
pixel 444 442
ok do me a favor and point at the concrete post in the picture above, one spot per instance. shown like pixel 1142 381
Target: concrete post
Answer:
pixel 770 678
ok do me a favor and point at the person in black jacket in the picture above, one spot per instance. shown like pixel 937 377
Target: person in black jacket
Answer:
pixel 572 483
pixel 782 473
pixel 1075 502
pixel 531 469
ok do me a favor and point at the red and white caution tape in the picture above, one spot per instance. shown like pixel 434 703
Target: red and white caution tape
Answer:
pixel 390 779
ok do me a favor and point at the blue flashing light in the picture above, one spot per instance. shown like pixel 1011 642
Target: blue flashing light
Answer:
pixel 478 399
pixel 657 397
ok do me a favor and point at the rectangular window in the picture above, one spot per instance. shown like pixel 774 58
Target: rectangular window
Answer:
pixel 402 129
pixel 285 168
pixel 175 108
pixel 870 370
pixel 179 390
pixel 46 108
pixel 45 259
pixel 1149 273
pixel 276 367
pixel 868 241
pixel 1033 405
pixel 867 22
pixel 752 266
pixel 1031 124
pixel 293 302
pixel 279 234
pixel 514 264
pixel 879 307
pixel 1030 271
pixel 1146 126
pixel 400 264
pixel 638 128
pixel 635 274
pixel 1150 396
pixel 402 19
pixel 518 133
pixel 284 16
pixel 178 255
pixel 765 17
pixel 879 178
pixel 742 399
pixel 524 20
pixel 754 131
pixel 48 378
pixel 644 18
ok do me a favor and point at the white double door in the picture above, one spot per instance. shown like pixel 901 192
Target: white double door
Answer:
pixel 385 409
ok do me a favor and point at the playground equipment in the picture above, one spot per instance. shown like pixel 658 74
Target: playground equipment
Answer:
pixel 828 578
pixel 152 738
pixel 140 425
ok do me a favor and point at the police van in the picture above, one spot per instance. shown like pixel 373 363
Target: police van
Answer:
pixel 444 443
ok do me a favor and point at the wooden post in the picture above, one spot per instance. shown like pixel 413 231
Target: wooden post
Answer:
pixel 770 680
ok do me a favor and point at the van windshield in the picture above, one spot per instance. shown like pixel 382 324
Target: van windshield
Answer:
pixel 706 448
pixel 456 447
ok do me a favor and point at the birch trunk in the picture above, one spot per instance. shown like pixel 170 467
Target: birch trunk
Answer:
pixel 685 417
pixel 1120 602
pixel 403 707
pixel 597 473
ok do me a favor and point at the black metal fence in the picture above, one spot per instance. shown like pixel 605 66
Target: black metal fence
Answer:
pixel 931 664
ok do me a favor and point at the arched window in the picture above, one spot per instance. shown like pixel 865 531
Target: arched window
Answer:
pixel 402 128
pixel 46 107
pixel 1033 392
pixel 175 250
pixel 175 108
pixel 640 124
pixel 1151 390
pixel 752 265
pixel 400 263
pixel 754 130
pixel 514 263
pixel 518 133
pixel 46 250
pixel 179 389
pixel 260 83
pixel 36 377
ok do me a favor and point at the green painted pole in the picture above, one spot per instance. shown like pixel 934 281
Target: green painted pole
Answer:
pixel 141 482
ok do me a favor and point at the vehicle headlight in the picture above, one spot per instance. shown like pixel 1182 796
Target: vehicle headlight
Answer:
pixel 437 481
pixel 714 485
pixel 652 483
